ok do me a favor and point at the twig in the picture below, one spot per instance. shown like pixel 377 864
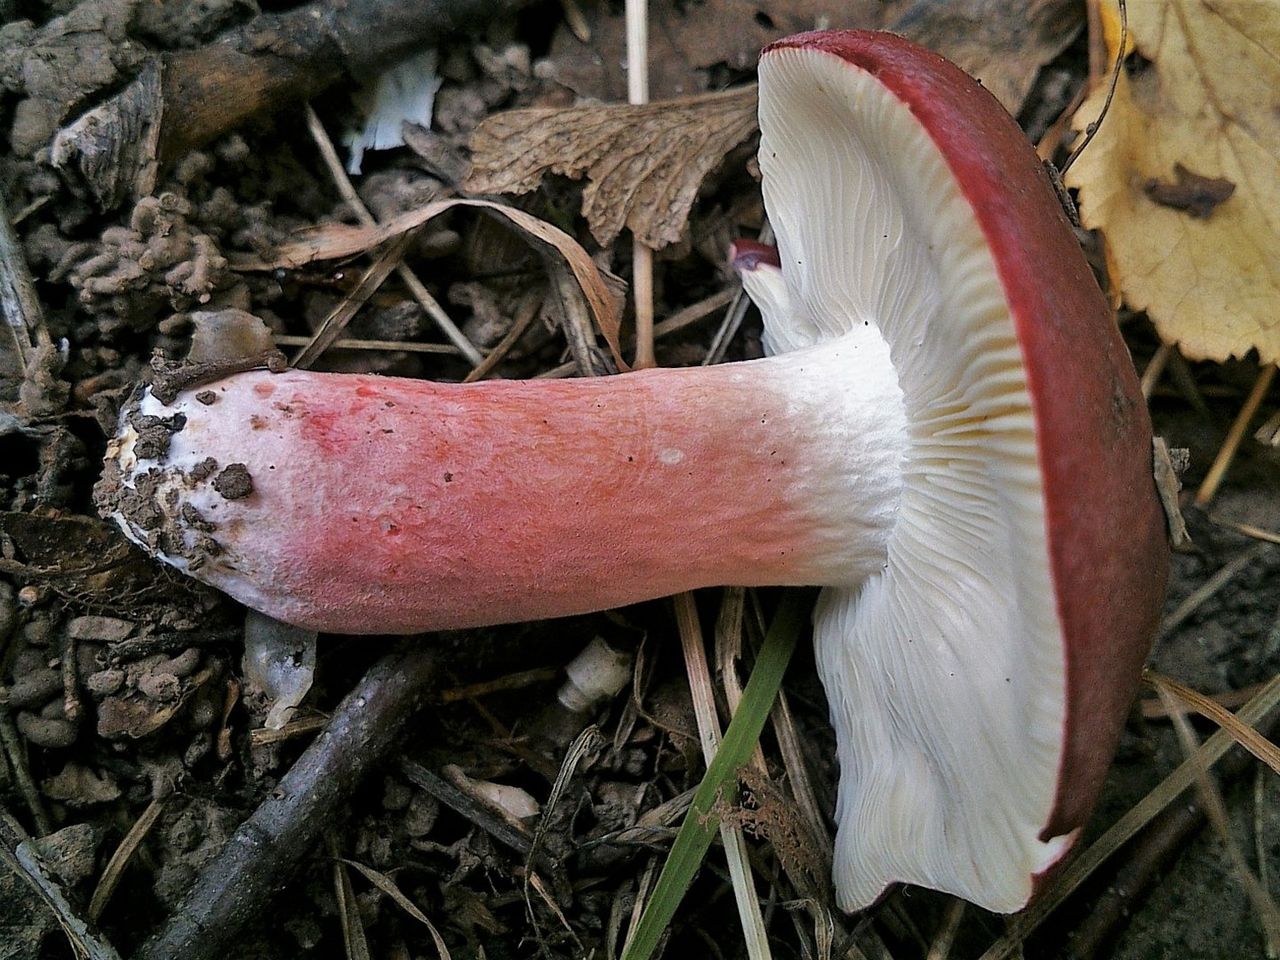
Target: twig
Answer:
pixel 1227 453
pixel 17 853
pixel 525 314
pixel 16 752
pixel 244 878
pixel 1155 368
pixel 410 279
pixel 350 343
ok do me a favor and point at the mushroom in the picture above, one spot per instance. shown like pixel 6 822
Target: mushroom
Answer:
pixel 948 437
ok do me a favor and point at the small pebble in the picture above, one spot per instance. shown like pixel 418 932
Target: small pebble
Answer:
pixel 108 629
pixel 33 689
pixel 105 682
pixel 51 734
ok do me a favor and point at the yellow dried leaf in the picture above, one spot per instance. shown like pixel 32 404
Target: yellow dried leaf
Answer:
pixel 1183 178
pixel 644 163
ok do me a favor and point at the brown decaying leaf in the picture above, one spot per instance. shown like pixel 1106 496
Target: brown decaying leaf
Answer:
pixel 1199 251
pixel 644 163
pixel 335 241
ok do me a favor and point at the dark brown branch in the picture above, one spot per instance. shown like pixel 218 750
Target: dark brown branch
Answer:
pixel 257 862
pixel 185 99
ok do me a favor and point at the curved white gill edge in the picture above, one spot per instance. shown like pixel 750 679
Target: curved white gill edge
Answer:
pixel 945 673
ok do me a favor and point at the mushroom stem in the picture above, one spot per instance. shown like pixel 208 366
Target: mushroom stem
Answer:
pixel 374 505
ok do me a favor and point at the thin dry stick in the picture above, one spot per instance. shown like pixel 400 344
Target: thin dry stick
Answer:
pixel 734 316
pixel 351 343
pixel 1216 810
pixel 1248 529
pixel 525 314
pixel 1235 435
pixel 637 13
pixel 1124 829
pixel 1155 369
pixel 383 263
pixel 115 867
pixel 410 279
pixel 704 709
pixel 15 750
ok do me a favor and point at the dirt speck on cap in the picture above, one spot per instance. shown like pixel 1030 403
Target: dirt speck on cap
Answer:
pixel 234 482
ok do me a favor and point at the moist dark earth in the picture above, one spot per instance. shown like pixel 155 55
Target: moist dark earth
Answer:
pixel 124 695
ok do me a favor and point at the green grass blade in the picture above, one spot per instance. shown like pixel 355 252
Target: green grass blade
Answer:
pixel 721 779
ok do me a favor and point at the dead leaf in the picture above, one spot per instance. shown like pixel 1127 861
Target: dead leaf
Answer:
pixel 1003 43
pixel 686 39
pixel 644 163
pixel 1200 252
pixel 336 241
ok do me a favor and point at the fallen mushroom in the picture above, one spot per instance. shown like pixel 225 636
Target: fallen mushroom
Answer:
pixel 949 437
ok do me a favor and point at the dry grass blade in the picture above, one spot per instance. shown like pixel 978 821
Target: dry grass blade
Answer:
pixel 114 869
pixel 1127 826
pixel 1227 452
pixel 940 948
pixel 353 938
pixel 526 313
pixel 1216 810
pixel 1248 529
pixel 333 325
pixel 14 750
pixel 704 708
pixel 420 293
pixel 337 241
pixel 389 887
pixel 644 162
pixel 351 343
pixel 1171 691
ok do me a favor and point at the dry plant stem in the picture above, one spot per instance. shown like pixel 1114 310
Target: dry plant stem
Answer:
pixel 1259 712
pixel 637 15
pixel 1227 453
pixel 18 301
pixel 1248 529
pixel 15 750
pixel 1151 854
pixel 386 260
pixel 734 316
pixel 241 881
pixel 1175 693
pixel 410 279
pixel 1216 810
pixel 704 708
pixel 348 343
pixel 526 312
pixel 115 867
pixel 1155 368
pixel 729 625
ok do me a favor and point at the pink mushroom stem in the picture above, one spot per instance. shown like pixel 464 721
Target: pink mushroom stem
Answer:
pixel 373 505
